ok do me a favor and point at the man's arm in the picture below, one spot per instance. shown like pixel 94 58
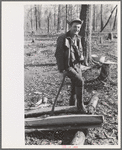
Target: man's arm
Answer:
pixel 59 54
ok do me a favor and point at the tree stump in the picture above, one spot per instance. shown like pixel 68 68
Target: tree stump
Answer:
pixel 104 73
pixel 101 40
pixel 32 35
pixel 110 36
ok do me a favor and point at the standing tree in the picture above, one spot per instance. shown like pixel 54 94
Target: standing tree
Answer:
pixel 36 19
pixel 59 18
pixel 108 18
pixel 101 16
pixel 94 18
pixel 48 20
pixel 86 16
pixel 39 16
pixel 31 18
pixel 66 20
pixel 114 25
pixel 54 16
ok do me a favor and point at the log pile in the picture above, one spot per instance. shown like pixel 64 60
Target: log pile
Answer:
pixel 41 120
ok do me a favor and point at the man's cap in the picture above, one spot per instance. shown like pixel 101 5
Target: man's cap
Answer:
pixel 76 20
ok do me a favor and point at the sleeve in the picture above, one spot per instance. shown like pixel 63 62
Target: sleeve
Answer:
pixel 59 54
pixel 81 50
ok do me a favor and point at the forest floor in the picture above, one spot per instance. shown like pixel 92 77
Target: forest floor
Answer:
pixel 42 76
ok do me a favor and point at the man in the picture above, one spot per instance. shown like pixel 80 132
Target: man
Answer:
pixel 69 56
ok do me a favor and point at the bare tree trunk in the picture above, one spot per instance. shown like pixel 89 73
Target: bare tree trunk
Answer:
pixel 108 19
pixel 114 25
pixel 101 17
pixel 94 19
pixel 54 16
pixel 59 18
pixel 54 19
pixel 48 24
pixel 39 16
pixel 78 11
pixel 31 20
pixel 66 19
pixel 36 20
pixel 71 11
pixel 86 16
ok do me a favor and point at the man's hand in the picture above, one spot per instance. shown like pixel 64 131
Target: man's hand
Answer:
pixel 63 74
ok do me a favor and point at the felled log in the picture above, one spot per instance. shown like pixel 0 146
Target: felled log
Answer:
pixel 60 128
pixel 47 111
pixel 64 128
pixel 64 120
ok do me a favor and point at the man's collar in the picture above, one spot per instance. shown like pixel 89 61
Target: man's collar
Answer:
pixel 69 36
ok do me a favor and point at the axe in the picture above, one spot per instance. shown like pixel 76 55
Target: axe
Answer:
pixel 52 111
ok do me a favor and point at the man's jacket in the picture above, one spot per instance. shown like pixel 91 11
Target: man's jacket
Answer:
pixel 65 52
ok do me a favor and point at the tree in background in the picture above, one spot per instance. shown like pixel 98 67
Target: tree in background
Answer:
pixel 31 19
pixel 59 18
pixel 38 21
pixel 39 16
pixel 94 20
pixel 66 20
pixel 101 16
pixel 54 15
pixel 86 16
pixel 36 18
pixel 115 21
pixel 108 19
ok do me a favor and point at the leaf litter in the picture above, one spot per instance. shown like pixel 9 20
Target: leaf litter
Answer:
pixel 45 79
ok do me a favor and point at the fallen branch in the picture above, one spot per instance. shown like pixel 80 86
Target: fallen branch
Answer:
pixel 47 111
pixel 108 137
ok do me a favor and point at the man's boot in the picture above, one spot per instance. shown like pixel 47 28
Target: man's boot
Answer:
pixel 80 104
pixel 73 95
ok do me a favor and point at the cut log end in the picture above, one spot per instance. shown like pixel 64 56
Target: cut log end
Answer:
pixel 79 138
pixel 93 104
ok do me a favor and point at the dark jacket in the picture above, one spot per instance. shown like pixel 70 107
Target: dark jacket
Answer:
pixel 64 49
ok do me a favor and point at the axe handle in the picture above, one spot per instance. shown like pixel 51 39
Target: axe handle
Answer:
pixel 52 111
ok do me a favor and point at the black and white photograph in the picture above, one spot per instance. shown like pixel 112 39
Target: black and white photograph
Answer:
pixel 71 63
pixel 70 68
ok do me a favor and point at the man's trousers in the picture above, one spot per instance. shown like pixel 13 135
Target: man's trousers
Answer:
pixel 77 87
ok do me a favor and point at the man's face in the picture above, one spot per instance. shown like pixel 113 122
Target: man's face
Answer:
pixel 75 28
